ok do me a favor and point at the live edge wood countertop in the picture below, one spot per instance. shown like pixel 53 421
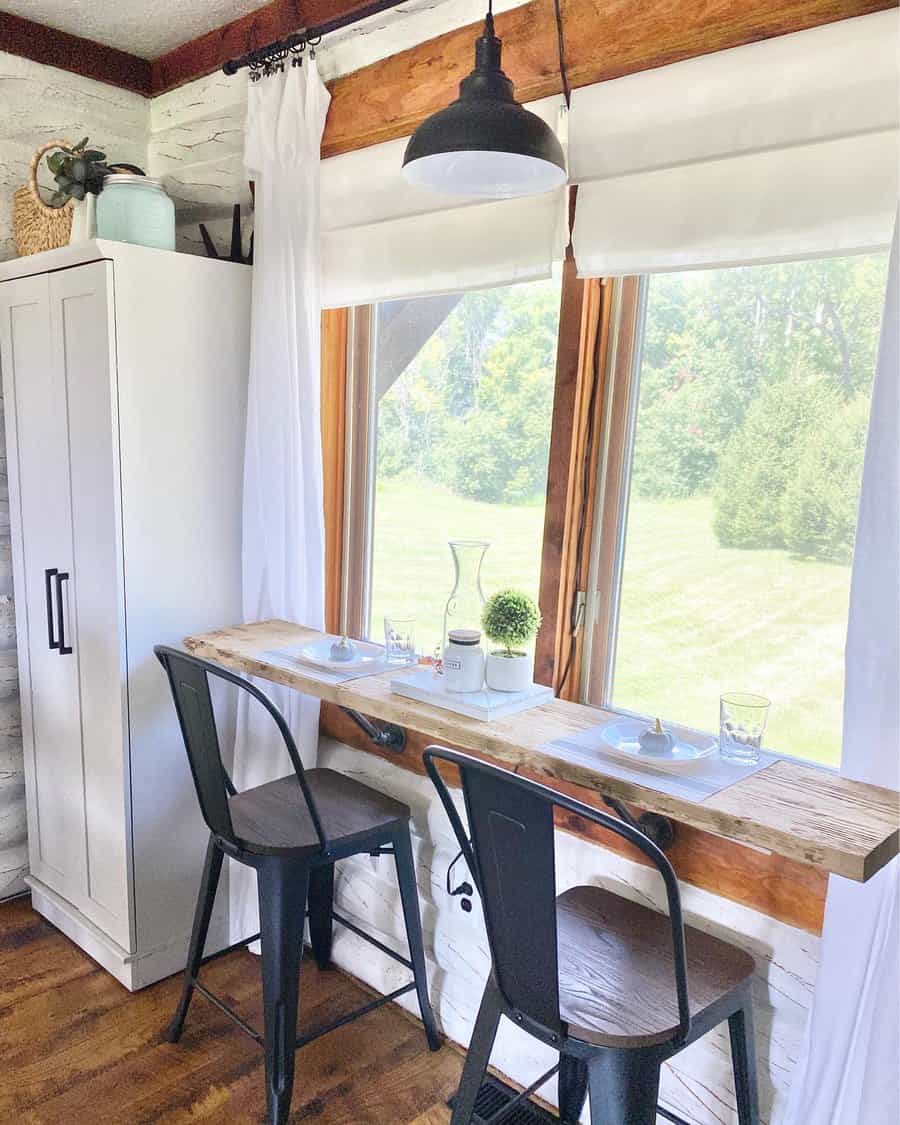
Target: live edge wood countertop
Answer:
pixel 797 810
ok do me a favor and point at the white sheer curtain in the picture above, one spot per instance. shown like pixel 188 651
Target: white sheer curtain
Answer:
pixel 283 532
pixel 849 1072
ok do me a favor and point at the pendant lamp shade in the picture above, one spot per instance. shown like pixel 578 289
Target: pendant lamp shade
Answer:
pixel 485 144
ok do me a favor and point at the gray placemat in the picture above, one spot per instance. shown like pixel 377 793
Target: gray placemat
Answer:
pixel 709 776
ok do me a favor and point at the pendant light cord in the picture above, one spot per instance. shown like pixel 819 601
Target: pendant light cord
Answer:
pixel 567 93
pixel 560 44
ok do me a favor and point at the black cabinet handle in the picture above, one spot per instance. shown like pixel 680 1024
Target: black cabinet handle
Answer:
pixel 49 575
pixel 64 650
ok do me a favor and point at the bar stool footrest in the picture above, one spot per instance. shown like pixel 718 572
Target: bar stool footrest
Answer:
pixel 318 1032
pixel 342 1021
pixel 669 1115
pixel 386 949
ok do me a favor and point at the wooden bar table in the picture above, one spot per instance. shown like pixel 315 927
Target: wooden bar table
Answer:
pixel 795 809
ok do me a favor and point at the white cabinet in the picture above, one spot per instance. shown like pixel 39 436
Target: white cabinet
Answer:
pixel 124 382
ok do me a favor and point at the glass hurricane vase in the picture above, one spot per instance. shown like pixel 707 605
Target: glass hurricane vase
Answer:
pixel 466 602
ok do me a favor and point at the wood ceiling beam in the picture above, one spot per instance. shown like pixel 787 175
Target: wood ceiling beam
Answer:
pixel 206 54
pixel 604 39
pixel 30 40
pixel 275 21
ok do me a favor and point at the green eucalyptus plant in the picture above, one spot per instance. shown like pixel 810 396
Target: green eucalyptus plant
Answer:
pixel 510 618
pixel 79 170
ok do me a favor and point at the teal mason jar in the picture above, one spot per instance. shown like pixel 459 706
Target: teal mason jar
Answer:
pixel 136 209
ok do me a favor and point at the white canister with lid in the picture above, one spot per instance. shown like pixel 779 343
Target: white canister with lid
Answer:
pixel 463 662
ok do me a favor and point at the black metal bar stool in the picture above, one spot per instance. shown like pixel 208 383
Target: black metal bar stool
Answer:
pixel 292 831
pixel 599 978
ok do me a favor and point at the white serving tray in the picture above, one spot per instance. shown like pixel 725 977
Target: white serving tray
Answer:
pixel 426 686
pixel 317 654
pixel 620 737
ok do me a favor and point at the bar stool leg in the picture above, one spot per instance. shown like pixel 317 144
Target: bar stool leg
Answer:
pixel 321 910
pixel 624 1086
pixel 743 1057
pixel 409 896
pixel 282 887
pixel 212 869
pixel 573 1087
pixel 478 1056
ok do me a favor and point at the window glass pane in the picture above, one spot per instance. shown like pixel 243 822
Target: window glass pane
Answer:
pixel 752 408
pixel 464 391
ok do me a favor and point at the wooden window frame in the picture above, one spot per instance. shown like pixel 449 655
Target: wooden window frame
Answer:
pixel 582 319
pixel 596 358
pixel 334 416
pixel 359 452
pixel 627 314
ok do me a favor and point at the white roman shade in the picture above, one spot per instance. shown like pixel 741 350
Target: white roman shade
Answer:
pixel 384 239
pixel 782 149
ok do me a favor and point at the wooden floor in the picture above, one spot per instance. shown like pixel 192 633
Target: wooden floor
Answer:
pixel 77 1047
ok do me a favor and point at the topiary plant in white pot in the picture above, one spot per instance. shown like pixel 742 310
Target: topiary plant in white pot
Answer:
pixel 510 619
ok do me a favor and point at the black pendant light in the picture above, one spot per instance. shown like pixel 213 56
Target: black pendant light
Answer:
pixel 485 144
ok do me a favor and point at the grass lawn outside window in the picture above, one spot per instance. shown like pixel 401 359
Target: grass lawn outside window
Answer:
pixel 747 623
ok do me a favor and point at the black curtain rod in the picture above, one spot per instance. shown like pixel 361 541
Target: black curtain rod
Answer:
pixel 281 48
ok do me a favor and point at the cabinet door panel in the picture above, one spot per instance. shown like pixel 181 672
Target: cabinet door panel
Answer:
pixel 35 393
pixel 80 300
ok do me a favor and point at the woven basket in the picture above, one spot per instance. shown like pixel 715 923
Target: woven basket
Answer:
pixel 38 226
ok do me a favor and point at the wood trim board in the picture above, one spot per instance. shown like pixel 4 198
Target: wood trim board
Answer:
pixel 604 39
pixel 555 593
pixel 784 889
pixel 355 564
pixel 271 22
pixel 797 810
pixel 611 478
pixel 42 44
pixel 335 326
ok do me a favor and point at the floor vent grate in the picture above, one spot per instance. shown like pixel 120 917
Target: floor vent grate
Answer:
pixel 494 1095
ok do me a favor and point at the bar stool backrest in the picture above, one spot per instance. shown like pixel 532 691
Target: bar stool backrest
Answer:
pixel 189 680
pixel 511 855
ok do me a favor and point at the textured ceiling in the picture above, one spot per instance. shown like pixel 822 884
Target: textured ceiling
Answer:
pixel 147 30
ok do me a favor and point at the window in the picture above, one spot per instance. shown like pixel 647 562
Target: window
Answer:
pixel 455 397
pixel 740 457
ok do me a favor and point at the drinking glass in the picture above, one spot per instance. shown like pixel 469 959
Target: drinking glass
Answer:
pixel 742 721
pixel 400 639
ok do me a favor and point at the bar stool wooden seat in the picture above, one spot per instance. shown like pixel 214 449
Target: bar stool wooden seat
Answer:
pixel 615 987
pixel 292 831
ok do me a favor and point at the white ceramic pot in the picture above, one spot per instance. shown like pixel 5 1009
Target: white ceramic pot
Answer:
pixel 509 673
pixel 84 219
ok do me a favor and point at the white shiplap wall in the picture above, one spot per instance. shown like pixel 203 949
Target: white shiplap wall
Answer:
pixel 698 1083
pixel 196 131
pixel 193 139
pixel 38 104
pixel 41 103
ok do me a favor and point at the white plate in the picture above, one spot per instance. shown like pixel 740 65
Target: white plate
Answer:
pixel 318 655
pixel 621 737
